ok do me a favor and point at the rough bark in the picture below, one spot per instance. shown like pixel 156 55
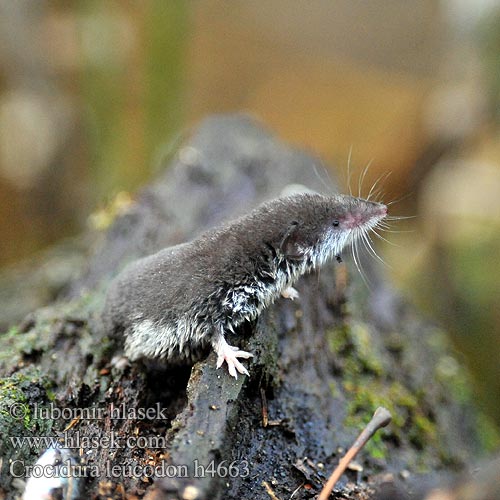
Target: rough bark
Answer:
pixel 322 364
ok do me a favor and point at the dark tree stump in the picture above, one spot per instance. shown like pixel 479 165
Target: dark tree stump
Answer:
pixel 322 363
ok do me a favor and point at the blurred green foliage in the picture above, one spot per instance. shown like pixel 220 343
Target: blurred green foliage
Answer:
pixel 132 87
pixel 489 42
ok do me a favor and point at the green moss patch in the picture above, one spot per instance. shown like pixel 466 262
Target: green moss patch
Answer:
pixel 368 385
pixel 20 394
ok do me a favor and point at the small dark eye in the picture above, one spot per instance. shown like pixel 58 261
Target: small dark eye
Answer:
pixel 335 223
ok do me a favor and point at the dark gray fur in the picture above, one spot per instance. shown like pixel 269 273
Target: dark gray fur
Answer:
pixel 172 303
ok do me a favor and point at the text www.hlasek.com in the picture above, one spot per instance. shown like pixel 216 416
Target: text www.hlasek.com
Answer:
pixel 77 441
pixel 67 468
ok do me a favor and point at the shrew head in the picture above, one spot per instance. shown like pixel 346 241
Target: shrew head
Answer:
pixel 320 226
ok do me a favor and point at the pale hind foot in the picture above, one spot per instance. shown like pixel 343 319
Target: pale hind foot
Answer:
pixel 290 293
pixel 230 355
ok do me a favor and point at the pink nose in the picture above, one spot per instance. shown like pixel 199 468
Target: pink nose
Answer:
pixel 379 209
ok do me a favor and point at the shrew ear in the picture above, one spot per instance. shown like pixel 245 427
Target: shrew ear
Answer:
pixel 290 244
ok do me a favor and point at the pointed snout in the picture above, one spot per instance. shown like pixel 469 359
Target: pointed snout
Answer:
pixel 375 209
pixel 379 209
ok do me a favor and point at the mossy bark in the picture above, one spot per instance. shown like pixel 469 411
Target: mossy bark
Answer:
pixel 322 363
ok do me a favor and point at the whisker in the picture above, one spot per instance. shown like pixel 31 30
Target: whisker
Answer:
pixel 356 263
pixel 370 243
pixel 349 173
pixel 385 239
pixel 396 231
pixel 363 273
pixel 329 187
pixel 385 226
pixel 401 198
pixel 400 217
pixel 369 248
pixel 357 260
pixel 378 195
pixel 362 177
pixel 383 176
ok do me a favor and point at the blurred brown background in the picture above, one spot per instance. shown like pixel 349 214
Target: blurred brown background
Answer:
pixel 95 96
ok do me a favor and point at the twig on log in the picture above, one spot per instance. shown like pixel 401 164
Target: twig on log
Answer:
pixel 380 418
pixel 265 416
pixel 269 490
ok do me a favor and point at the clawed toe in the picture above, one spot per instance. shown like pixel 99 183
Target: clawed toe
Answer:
pixel 230 355
pixel 290 293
